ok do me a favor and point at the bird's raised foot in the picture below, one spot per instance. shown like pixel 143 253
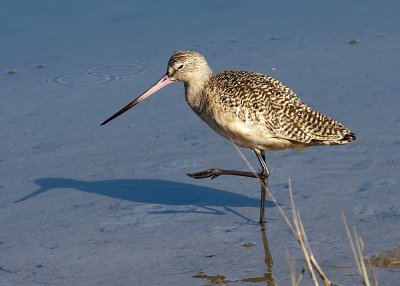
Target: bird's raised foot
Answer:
pixel 215 172
pixel 210 173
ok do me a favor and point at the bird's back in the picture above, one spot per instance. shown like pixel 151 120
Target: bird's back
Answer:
pixel 271 110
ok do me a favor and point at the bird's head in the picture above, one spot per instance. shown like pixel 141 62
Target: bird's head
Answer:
pixel 186 66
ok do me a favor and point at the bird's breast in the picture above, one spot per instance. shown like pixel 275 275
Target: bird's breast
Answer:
pixel 233 128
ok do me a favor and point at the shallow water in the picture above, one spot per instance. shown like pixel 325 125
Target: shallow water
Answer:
pixel 82 204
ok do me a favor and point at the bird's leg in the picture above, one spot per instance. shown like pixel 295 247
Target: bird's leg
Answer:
pixel 264 182
pixel 215 172
pixel 263 176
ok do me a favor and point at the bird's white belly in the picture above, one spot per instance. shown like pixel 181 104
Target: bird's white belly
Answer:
pixel 244 134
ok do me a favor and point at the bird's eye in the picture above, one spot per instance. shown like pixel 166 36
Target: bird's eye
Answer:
pixel 180 67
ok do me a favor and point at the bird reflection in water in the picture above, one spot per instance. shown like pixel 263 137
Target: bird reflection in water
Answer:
pixel 267 277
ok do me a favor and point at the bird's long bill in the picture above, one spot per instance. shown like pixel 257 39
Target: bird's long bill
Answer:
pixel 164 81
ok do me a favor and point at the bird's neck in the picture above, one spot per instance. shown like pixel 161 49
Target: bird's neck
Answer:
pixel 194 91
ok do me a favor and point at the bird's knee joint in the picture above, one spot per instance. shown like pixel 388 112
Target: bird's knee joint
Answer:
pixel 264 174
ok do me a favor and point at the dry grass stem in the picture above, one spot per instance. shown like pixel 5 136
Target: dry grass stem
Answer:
pixel 301 236
pixel 292 269
pixel 349 237
pixel 301 274
pixel 325 279
pixel 371 270
pixel 358 249
pixel 364 273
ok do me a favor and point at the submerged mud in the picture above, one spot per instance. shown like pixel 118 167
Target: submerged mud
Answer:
pixel 386 258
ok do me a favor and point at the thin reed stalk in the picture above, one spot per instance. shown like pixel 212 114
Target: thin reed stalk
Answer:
pixel 358 249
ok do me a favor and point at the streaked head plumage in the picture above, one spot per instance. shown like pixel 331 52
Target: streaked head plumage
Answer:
pixel 186 65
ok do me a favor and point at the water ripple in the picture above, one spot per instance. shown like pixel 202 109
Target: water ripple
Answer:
pixel 100 74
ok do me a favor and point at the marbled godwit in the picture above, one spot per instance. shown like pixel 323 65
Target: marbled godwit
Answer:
pixel 252 110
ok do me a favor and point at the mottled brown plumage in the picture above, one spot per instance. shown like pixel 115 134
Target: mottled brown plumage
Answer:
pixel 251 109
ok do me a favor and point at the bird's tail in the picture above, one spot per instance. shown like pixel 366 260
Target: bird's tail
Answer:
pixel 349 137
pixel 344 140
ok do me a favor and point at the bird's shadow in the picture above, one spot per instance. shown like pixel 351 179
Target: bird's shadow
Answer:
pixel 151 192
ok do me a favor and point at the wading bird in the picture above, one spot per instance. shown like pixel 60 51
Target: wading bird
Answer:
pixel 250 109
